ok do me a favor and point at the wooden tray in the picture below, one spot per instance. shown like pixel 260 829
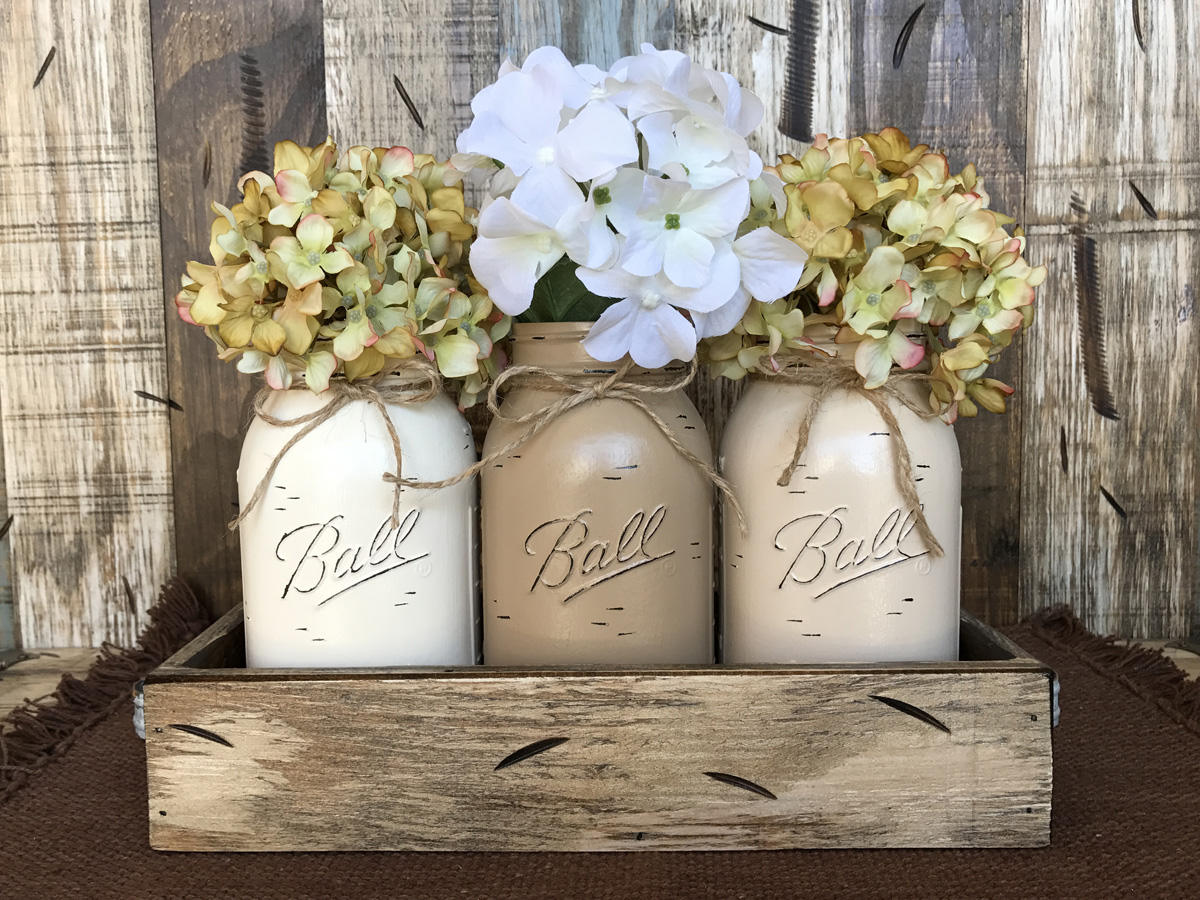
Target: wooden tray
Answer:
pixel 680 758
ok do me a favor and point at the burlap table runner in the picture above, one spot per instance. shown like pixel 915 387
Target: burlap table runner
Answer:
pixel 1126 822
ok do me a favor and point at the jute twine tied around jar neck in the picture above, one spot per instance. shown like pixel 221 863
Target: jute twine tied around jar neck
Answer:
pixel 426 385
pixel 579 390
pixel 829 373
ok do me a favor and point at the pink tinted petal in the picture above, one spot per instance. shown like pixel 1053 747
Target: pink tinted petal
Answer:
pixel 184 311
pixel 279 376
pixel 827 287
pixel 396 163
pixel 293 186
pixel 909 310
pixel 903 351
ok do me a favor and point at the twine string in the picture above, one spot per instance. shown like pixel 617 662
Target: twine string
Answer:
pixel 825 374
pixel 426 386
pixel 576 391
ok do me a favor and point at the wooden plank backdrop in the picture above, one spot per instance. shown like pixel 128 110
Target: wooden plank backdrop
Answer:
pixel 1081 116
pixel 81 322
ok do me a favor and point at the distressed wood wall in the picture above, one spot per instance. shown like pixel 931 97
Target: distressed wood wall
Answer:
pixel 1082 116
pixel 86 459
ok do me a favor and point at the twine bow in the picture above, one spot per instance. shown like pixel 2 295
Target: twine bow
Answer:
pixel 426 386
pixel 577 391
pixel 827 374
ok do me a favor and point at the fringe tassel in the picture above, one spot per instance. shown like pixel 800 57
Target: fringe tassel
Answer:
pixel 1148 673
pixel 41 730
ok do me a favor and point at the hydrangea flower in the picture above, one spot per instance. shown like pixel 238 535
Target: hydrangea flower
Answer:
pixel 642 178
pixel 907 262
pixel 348 268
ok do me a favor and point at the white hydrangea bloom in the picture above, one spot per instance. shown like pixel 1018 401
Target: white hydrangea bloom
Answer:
pixel 642 176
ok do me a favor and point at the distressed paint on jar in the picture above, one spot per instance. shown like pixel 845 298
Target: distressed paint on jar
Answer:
pixel 832 568
pixel 327 580
pixel 597 534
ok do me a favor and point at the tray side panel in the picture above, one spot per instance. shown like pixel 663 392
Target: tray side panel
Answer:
pixel 412 764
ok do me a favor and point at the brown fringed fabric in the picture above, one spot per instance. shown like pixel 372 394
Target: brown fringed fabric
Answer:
pixel 1147 672
pixel 41 730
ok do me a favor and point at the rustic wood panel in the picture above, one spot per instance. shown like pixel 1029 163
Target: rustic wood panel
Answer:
pixel 1126 562
pixel 7 633
pixel 599 32
pixel 1110 517
pixel 81 329
pixel 230 80
pixel 959 86
pixel 438 54
pixel 492 759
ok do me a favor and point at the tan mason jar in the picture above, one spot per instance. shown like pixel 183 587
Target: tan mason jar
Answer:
pixel 597 533
pixel 833 568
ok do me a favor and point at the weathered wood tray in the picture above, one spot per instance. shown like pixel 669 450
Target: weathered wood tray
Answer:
pixel 715 758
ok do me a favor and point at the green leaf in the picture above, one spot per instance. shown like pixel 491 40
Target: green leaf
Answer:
pixel 561 297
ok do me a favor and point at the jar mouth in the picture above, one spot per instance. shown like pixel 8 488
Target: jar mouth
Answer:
pixel 559 346
pixel 550 331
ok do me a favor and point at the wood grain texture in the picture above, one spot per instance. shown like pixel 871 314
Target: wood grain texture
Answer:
pixel 230 79
pixel 599 32
pixel 486 758
pixel 441 52
pixel 7 631
pixel 960 87
pixel 666 759
pixel 87 462
pixel 1106 114
pixel 1129 568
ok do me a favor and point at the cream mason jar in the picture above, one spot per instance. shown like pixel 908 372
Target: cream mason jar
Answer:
pixel 597 534
pixel 327 579
pixel 832 568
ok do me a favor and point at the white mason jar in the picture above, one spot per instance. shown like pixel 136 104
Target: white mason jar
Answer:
pixel 327 580
pixel 832 568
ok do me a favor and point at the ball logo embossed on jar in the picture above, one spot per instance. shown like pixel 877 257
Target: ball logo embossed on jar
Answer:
pixel 834 567
pixel 577 561
pixel 597 532
pixel 823 555
pixel 328 578
pixel 322 567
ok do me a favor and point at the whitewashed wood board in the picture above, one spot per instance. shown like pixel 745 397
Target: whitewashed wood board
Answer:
pixel 656 759
pixel 81 322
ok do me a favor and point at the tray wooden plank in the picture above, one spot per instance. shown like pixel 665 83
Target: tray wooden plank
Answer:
pixel 406 759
